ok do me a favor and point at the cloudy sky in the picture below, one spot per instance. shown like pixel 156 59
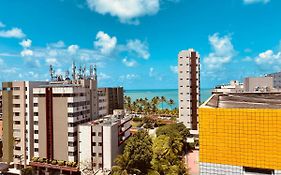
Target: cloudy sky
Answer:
pixel 135 43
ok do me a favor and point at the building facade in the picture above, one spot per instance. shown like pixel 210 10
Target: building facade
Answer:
pixel 276 79
pixel 58 110
pixel 105 137
pixel 258 84
pixel 18 121
pixel 240 134
pixel 189 87
pixel 110 98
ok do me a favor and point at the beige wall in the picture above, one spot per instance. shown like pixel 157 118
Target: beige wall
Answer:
pixel 42 126
pixel 251 83
pixel 60 128
pixel 8 123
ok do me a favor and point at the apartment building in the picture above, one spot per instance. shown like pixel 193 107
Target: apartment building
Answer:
pixel 258 84
pixel 240 134
pixel 189 87
pixel 110 98
pixel 18 121
pixel 100 141
pixel 58 110
pixel 234 86
pixel 276 79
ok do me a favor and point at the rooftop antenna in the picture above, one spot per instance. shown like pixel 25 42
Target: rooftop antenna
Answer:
pixel 95 72
pixel 91 71
pixel 80 72
pixel 73 71
pixel 84 71
pixel 51 71
pixel 67 75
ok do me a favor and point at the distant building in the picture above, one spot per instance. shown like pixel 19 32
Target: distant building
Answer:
pixel 233 87
pixel 276 79
pixel 100 141
pixel 18 121
pixel 258 84
pixel 110 98
pixel 240 134
pixel 189 87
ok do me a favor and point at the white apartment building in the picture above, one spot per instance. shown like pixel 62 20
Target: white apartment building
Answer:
pixel 189 87
pixel 100 141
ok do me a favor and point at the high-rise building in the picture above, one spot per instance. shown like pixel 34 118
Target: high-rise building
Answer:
pixel 100 141
pixel 110 98
pixel 258 84
pixel 18 121
pixel 189 87
pixel 58 110
pixel 240 133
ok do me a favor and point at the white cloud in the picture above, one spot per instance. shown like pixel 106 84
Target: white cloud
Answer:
pixel 256 1
pixel 26 43
pixel 126 10
pixel 129 77
pixel 174 69
pixel 223 51
pixel 129 63
pixel 140 48
pixel 269 60
pixel 151 72
pixel 51 61
pixel 13 33
pixel 105 43
pixel 2 24
pixel 59 44
pixel 72 49
pixel 1 61
pixel 26 52
pixel 103 76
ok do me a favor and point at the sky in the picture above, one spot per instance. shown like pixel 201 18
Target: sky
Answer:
pixel 135 43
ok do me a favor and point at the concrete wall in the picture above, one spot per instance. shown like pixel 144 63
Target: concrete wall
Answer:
pixel 42 127
pixel 252 83
pixel 60 128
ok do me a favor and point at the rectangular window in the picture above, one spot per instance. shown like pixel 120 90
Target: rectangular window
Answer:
pixel 16 97
pixel 36 131
pixel 35 104
pixel 36 141
pixel 16 105
pixel 17 114
pixel 100 143
pixel 35 122
pixel 16 88
pixel 99 134
pixel 17 122
pixel 100 154
pixel 35 114
pixel 36 149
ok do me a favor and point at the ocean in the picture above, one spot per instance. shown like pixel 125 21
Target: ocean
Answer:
pixel 168 93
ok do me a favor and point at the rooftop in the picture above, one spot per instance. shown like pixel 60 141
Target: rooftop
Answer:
pixel 270 100
pixel 108 120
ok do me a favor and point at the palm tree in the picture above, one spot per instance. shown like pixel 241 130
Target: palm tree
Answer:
pixel 122 166
pixel 162 100
pixel 171 102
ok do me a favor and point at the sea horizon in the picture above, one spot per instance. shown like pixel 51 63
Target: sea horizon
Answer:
pixel 168 93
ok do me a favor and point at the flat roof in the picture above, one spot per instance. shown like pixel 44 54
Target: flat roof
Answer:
pixel 245 100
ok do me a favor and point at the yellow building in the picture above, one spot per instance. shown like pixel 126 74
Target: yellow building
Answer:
pixel 240 134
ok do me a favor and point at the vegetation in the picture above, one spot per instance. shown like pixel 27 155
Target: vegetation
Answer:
pixel 145 106
pixel 163 156
pixel 136 157
pixel 27 171
pixel 54 162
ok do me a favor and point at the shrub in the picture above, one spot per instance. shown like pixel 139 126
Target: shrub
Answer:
pixel 74 164
pixel 41 160
pixel 27 171
pixel 54 162
pixel 69 163
pixel 60 162
pixel 35 159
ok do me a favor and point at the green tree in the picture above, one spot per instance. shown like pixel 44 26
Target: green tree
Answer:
pixel 163 100
pixel 137 155
pixel 171 102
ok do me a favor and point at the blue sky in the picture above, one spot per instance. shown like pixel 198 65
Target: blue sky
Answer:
pixel 135 42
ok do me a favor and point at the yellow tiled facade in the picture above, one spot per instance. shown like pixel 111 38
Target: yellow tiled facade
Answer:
pixel 241 137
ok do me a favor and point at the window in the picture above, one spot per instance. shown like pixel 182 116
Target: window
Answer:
pixel 17 114
pixel 36 141
pixel 17 148
pixel 16 97
pixel 100 143
pixel 16 105
pixel 36 149
pixel 17 122
pixel 94 134
pixel 36 131
pixel 35 114
pixel 94 154
pixel 100 154
pixel 99 134
pixel 94 144
pixel 16 88
pixel 35 104
pixel 35 122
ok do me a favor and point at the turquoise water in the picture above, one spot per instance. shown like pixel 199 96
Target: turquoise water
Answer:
pixel 168 93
